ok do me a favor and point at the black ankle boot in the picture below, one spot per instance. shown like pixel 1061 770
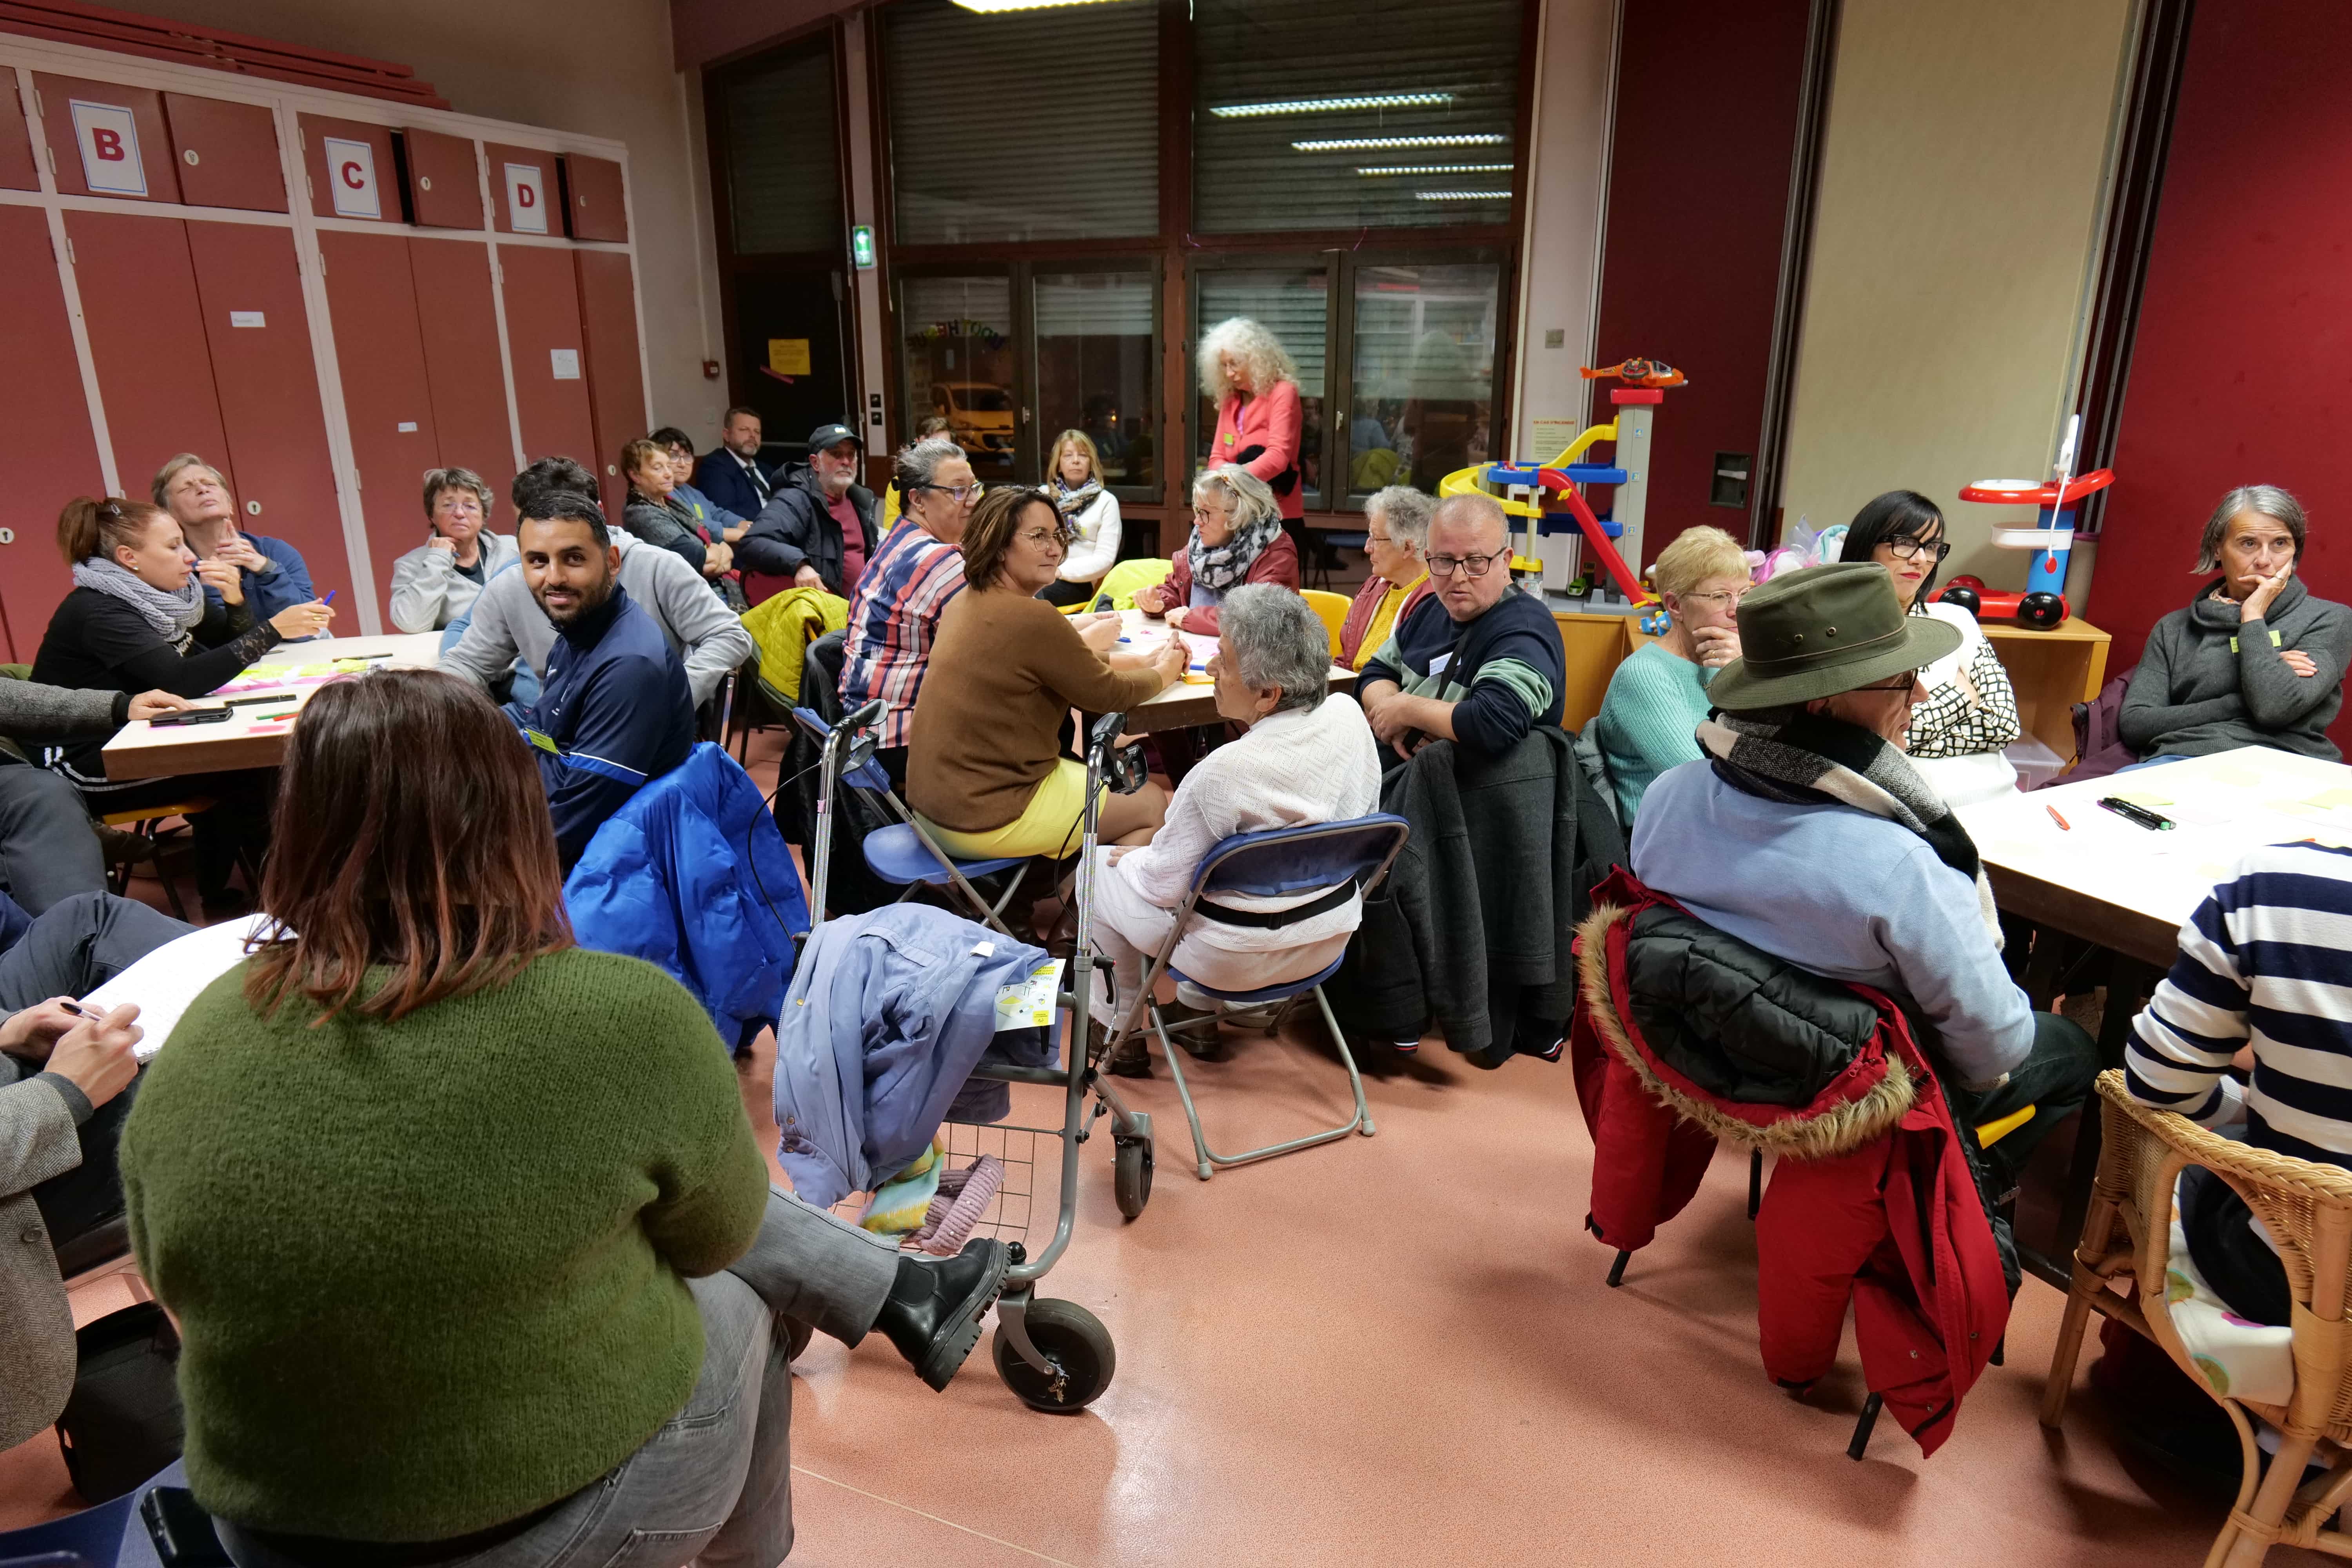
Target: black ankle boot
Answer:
pixel 933 1311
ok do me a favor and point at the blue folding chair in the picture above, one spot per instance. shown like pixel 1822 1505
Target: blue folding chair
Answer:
pixel 93 1536
pixel 903 854
pixel 1339 858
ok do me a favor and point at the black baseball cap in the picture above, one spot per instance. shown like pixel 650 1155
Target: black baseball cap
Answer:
pixel 826 436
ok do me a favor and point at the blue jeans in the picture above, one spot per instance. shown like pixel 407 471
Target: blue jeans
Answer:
pixel 2152 761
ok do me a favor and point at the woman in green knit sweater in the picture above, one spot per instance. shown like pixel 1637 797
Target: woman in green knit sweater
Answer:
pixel 470 1244
pixel 1657 697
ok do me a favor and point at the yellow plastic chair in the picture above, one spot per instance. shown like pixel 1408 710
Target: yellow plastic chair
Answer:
pixel 1333 608
pixel 1121 582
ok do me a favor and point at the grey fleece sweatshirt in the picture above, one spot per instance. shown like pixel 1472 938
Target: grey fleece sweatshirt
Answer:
pixel 29 708
pixel 2207 682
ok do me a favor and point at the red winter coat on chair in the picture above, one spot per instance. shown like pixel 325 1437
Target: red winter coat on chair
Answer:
pixel 1683 1035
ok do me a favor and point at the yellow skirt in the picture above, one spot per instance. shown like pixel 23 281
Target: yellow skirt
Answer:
pixel 1049 825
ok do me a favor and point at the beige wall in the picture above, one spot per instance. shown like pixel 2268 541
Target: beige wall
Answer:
pixel 597 67
pixel 1568 183
pixel 1963 183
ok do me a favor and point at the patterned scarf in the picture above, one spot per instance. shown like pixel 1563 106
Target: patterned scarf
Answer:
pixel 172 616
pixel 1071 502
pixel 1787 754
pixel 1222 566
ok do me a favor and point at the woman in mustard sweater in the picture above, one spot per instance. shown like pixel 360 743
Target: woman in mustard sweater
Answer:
pixel 464 1227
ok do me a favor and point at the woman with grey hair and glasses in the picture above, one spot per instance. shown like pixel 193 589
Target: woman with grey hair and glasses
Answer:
pixel 1305 756
pixel 437 582
pixel 1237 538
pixel 2254 660
pixel 903 591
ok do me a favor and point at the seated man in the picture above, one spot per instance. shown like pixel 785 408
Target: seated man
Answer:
pixel 504 625
pixel 2262 963
pixel 818 528
pixel 1479 662
pixel 1805 832
pixel 48 850
pixel 615 709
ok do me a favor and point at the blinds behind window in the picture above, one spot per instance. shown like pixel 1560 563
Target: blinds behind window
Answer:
pixel 1094 304
pixel 1454 153
pixel 781 158
pixel 1291 305
pixel 1024 124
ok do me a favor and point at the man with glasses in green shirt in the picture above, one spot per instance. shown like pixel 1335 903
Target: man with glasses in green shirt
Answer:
pixel 1480 661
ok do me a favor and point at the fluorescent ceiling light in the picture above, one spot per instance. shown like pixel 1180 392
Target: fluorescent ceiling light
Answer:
pixel 994 6
pixel 1441 169
pixel 1329 105
pixel 1384 144
pixel 1462 195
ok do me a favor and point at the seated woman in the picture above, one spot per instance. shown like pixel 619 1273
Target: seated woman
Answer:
pixel 1304 757
pixel 460 1296
pixel 1237 538
pixel 272 572
pixel 435 583
pixel 137 620
pixel 2254 660
pixel 1074 478
pixel 1969 714
pixel 652 514
pixel 716 520
pixel 984 768
pixel 1396 531
pixel 1657 697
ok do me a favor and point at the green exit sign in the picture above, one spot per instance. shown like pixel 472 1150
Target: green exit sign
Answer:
pixel 861 247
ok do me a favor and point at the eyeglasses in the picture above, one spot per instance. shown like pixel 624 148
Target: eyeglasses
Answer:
pixel 1444 566
pixel 1907 548
pixel 1732 596
pixel 971 491
pixel 1040 538
pixel 1903 682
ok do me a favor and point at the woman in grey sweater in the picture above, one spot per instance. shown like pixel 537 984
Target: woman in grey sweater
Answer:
pixel 2255 659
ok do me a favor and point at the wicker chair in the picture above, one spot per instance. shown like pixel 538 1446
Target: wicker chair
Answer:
pixel 2127 1235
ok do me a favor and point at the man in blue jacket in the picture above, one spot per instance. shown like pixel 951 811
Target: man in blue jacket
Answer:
pixel 615 710
pixel 733 476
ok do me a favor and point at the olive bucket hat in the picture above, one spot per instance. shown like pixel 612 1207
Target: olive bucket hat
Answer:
pixel 1824 630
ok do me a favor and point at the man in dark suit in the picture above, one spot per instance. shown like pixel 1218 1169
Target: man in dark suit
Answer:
pixel 733 476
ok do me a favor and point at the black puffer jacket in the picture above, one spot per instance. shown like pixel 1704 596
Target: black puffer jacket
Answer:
pixel 796 528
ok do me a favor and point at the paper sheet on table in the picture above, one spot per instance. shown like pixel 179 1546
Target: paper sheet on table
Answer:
pixel 167 979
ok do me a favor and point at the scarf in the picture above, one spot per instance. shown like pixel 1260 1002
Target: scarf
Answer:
pixel 1222 566
pixel 171 616
pixel 1787 754
pixel 1071 502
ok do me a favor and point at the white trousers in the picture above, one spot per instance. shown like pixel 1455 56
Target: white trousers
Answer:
pixel 1129 929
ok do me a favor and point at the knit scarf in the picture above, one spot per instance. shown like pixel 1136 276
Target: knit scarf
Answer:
pixel 1787 754
pixel 1222 566
pixel 1070 503
pixel 172 616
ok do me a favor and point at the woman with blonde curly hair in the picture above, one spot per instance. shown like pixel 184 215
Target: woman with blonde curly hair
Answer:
pixel 1254 382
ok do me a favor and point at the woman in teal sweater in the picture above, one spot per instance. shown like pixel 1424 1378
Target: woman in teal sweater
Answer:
pixel 467 1235
pixel 1657 697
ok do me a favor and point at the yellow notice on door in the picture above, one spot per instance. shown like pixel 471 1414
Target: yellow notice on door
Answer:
pixel 788 356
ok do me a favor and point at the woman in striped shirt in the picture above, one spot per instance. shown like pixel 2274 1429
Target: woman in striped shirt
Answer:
pixel 901 592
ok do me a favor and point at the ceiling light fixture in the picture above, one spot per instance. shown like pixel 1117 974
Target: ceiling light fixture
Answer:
pixel 1333 105
pixel 1462 195
pixel 992 6
pixel 1386 144
pixel 1427 169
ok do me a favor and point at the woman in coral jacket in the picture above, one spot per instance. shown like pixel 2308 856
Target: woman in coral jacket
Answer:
pixel 1252 377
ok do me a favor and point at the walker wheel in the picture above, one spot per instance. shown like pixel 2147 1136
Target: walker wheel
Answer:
pixel 1131 1167
pixel 1074 1343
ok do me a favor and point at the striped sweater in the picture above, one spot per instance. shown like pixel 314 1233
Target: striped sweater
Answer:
pixel 892 620
pixel 2267 959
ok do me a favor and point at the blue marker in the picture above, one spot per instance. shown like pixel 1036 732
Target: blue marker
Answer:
pixel 331 596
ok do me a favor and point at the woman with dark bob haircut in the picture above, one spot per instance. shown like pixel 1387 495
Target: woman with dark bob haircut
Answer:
pixel 2255 659
pixel 1969 713
pixel 472 1250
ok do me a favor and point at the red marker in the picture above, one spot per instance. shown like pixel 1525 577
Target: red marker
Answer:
pixel 2061 821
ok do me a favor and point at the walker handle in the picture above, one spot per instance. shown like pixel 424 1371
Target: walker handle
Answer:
pixel 869 714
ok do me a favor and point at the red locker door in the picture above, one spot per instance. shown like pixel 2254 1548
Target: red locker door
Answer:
pixel 458 318
pixel 259 332
pixel 592 188
pixel 147 335
pixel 616 386
pixel 228 153
pixel 107 140
pixel 387 399
pixel 526 196
pixel 445 188
pixel 17 169
pixel 543 336
pixel 351 170
pixel 48 421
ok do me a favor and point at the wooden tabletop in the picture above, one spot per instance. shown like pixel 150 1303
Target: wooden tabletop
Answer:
pixel 1192 701
pixel 2129 889
pixel 255 736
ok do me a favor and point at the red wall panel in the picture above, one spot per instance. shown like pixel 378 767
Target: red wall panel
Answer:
pixel 387 398
pixel 18 172
pixel 594 205
pixel 458 316
pixel 1708 100
pixel 234 149
pixel 156 159
pixel 616 387
pixel 267 381
pixel 147 335
pixel 2242 366
pixel 53 455
pixel 542 326
pixel 444 184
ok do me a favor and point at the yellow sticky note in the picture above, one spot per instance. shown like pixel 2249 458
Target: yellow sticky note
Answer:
pixel 788 356
pixel 2333 799
pixel 2294 807
pixel 2147 797
pixel 2233 776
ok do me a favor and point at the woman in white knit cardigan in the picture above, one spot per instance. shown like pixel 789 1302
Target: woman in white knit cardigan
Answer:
pixel 1306 757
pixel 1074 483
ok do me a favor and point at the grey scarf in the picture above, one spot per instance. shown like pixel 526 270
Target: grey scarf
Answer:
pixel 1788 755
pixel 1071 502
pixel 1224 565
pixel 172 616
